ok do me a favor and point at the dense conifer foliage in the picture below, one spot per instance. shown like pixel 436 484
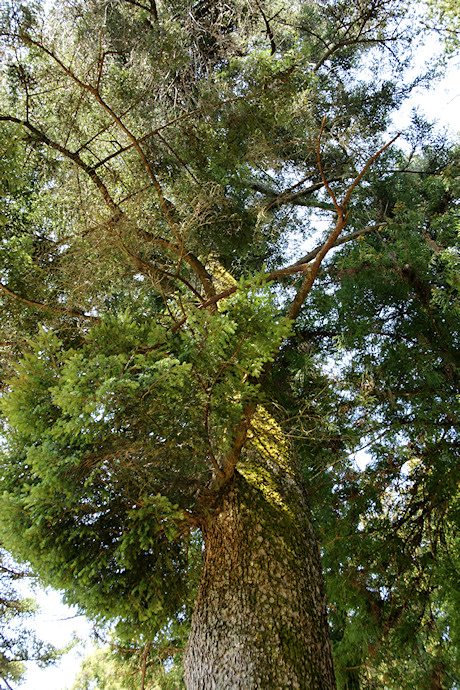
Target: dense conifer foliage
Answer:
pixel 182 402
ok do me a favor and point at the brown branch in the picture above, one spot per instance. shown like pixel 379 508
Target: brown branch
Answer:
pixel 342 240
pixel 219 472
pixel 342 216
pixel 230 462
pixel 152 9
pixel 300 266
pixel 144 664
pixel 165 207
pixel 146 268
pixel 48 307
pixel 188 257
pixel 268 28
pixel 370 162
pixel 289 196
pixel 312 270
pixel 201 272
pixel 344 44
pixel 75 157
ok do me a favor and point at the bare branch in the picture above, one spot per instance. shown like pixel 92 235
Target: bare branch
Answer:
pixel 144 664
pixel 320 166
pixel 299 266
pixel 370 162
pixel 342 215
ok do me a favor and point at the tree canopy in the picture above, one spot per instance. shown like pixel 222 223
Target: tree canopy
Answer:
pixel 216 250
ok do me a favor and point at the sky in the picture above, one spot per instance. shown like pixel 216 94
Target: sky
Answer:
pixel 56 623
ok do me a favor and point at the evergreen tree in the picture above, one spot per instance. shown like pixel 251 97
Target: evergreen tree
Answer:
pixel 176 394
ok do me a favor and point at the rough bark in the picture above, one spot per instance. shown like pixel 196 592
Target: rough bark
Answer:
pixel 260 615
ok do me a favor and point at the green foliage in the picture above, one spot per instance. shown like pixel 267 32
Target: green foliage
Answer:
pixel 101 438
pixel 385 532
pixel 444 14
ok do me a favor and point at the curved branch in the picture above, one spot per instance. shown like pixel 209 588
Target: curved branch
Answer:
pixel 300 266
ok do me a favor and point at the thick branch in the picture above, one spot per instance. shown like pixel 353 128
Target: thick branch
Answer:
pixel 311 270
pixel 342 240
pixel 229 463
pixel 300 266
pixel 144 663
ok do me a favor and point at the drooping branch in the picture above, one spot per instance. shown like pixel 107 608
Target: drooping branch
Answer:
pixel 75 157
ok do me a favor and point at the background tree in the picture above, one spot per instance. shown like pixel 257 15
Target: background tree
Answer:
pixel 444 17
pixel 18 643
pixel 174 388
pixel 113 669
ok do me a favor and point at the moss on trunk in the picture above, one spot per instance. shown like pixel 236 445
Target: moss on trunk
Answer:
pixel 260 615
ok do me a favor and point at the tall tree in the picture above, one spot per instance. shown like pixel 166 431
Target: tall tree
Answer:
pixel 175 391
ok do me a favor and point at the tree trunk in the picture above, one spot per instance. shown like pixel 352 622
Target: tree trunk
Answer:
pixel 260 614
